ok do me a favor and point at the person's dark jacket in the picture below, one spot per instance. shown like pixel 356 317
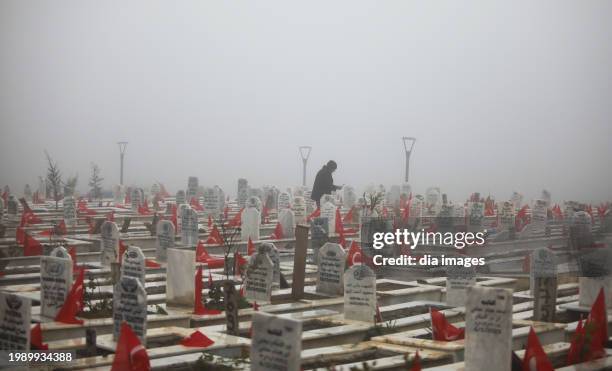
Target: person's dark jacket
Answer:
pixel 323 184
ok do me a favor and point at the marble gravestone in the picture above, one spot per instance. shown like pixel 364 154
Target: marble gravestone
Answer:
pixel 299 210
pixel 286 218
pixel 488 329
pixel 328 210
pixel 180 273
pixel 189 227
pixel 165 239
pixel 133 264
pixel 506 217
pixel 458 279
pixel 212 205
pixel 60 252
pixel 254 201
pixel 135 198
pixel 269 249
pixel 432 199
pixel 130 305
pixel 360 294
pixel 475 216
pixel 243 192
pixel 284 202
pixel 179 217
pixel 595 274
pixel 192 188
pixel 539 218
pixel 180 197
pixel 55 284
pixel 319 235
pixel 251 220
pixel 276 343
pixel 70 212
pixel 259 275
pixel 543 282
pixel 15 315
pixel 330 272
pixel 109 243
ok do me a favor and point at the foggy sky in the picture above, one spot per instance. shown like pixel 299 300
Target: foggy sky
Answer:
pixel 502 96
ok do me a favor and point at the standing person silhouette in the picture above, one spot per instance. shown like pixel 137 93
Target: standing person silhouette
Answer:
pixel 324 182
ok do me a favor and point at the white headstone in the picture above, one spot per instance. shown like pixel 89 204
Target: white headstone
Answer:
pixel 133 264
pixel 360 294
pixel 458 279
pixel 488 329
pixel 595 274
pixel 506 217
pixel 109 243
pixel 250 222
pixel 70 213
pixel 433 197
pixel 135 198
pixel 272 252
pixel 330 273
pixel 212 204
pixel 284 202
pixel 328 210
pixel 130 305
pixel 180 282
pixel 254 201
pixel 299 210
pixel 189 227
pixel 276 343
pixel 55 283
pixel 476 216
pixel 243 192
pixel 192 188
pixel 259 274
pixel 286 219
pixel 180 197
pixel 539 217
pixel 60 252
pixel 165 239
pixel 15 315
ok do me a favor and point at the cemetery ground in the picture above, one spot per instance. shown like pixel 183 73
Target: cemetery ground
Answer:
pixel 267 281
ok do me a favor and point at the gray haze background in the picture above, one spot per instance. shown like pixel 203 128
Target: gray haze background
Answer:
pixel 502 96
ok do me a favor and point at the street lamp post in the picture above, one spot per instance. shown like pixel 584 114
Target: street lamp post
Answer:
pixel 304 153
pixel 122 148
pixel 408 145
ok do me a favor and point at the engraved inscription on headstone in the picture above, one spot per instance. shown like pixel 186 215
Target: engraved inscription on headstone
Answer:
pixel 458 279
pixel 360 294
pixel 259 274
pixel 133 264
pixel 15 314
pixel 330 273
pixel 165 239
pixel 130 305
pixel 488 329
pixel 55 283
pixel 109 243
pixel 276 343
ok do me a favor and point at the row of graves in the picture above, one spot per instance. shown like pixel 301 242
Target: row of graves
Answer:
pixel 267 281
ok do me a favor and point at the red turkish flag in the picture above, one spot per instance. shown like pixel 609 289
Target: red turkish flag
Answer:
pixel 73 303
pixel 442 330
pixel 130 355
pixel 250 247
pixel 199 307
pixel 197 339
pixel 535 358
pixel 36 339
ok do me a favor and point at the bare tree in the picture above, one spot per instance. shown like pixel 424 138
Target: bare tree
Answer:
pixel 95 182
pixel 54 177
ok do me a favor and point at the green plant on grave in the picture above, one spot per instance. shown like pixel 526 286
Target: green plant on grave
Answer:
pixel 379 329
